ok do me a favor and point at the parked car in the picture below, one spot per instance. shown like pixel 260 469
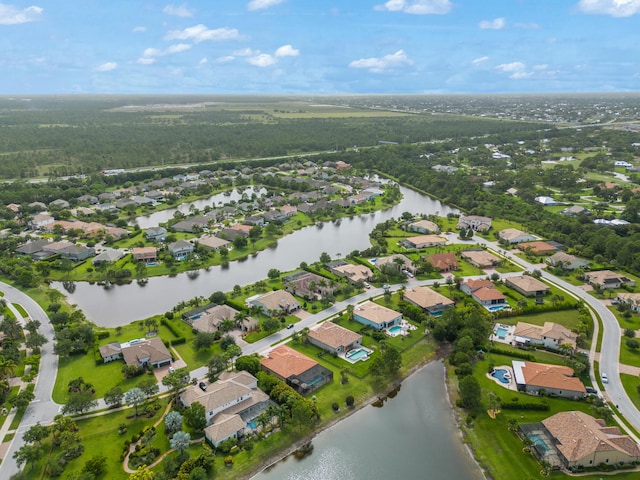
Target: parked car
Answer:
pixel 290 326
pixel 604 377
pixel 203 386
pixel 171 369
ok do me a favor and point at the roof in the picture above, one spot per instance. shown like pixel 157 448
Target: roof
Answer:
pixel 212 242
pixel 110 349
pixel 355 272
pixel 390 260
pixel 442 261
pixel 375 313
pixel 436 239
pixel 511 233
pixel 426 298
pixel 527 283
pixel 144 251
pixel 224 426
pixel 179 245
pixel 476 284
pixel 152 348
pixel 579 435
pixel 549 330
pixel 537 246
pixel 277 299
pixel 426 225
pixel 603 275
pixel 334 335
pixel 488 293
pixel 564 257
pixel 213 317
pixel 286 362
pixel 543 375
pixel 32 247
pixel 481 257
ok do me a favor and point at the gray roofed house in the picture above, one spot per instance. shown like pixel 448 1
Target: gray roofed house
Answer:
pixel 31 248
pixel 278 300
pixel 109 255
pixel 60 203
pixel 156 233
pixel 143 352
pixel 212 242
pixel 566 261
pixel 180 249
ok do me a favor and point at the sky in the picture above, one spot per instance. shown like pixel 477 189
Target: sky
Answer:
pixel 319 46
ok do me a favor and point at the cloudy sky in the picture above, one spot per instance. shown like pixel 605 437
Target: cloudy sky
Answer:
pixel 319 46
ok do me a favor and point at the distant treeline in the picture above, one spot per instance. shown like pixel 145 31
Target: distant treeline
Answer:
pixel 73 140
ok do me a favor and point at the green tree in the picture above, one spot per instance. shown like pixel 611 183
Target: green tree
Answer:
pixel 95 465
pixel 134 397
pixel 273 273
pixel 249 363
pixel 180 442
pixel 80 402
pixel 36 433
pixel 28 453
pixel 203 340
pixel 149 387
pixel 217 363
pixel 173 421
pixel 113 396
pixel 325 258
pixel 469 391
pixel 176 381
pixel 194 416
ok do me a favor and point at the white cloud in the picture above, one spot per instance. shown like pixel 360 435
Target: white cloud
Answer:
pixel 180 11
pixel 12 15
pixel 150 55
pixel 287 51
pixel 225 59
pixel 511 67
pixel 200 33
pixel 203 61
pixel 139 29
pixel 417 7
pixel 146 61
pixel 516 70
pixel 480 60
pixel 262 4
pixel 177 48
pixel 245 52
pixel 615 8
pixel 262 60
pixel 382 64
pixel 107 67
pixel 496 24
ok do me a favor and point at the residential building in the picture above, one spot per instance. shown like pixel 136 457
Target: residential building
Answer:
pixel 546 201
pixel 575 210
pixel 532 377
pixel 276 301
pixel 60 203
pixel 353 273
pixel 180 249
pixel 423 241
pixel 566 261
pixel 471 285
pixel 427 299
pixel 109 255
pixel 489 297
pixel 584 441
pixel 376 316
pixel 423 226
pixel 550 335
pixel 300 372
pixel 442 262
pixel 32 248
pixel 537 248
pixel 229 404
pixel 513 235
pixel 406 263
pixel 141 352
pixel 480 258
pixel 527 286
pixel 334 338
pixel 157 234
pixel 212 243
pixel 40 220
pixel 308 285
pixel 631 299
pixel 209 320
pixel 145 254
pixel 476 223
pixel 606 279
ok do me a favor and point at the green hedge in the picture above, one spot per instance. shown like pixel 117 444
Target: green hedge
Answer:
pixel 170 327
pixel 509 353
pixel 541 407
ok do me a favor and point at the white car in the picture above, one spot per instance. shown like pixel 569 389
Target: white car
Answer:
pixel 604 377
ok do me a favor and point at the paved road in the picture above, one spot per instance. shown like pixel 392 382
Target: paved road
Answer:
pixel 42 409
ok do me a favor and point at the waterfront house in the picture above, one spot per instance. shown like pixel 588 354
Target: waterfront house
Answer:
pixel 353 273
pixel 300 372
pixel 532 377
pixel 180 249
pixel 423 241
pixel 550 335
pixel 334 338
pixel 423 226
pixel 212 243
pixel 157 234
pixel 229 404
pixel 406 264
pixel 307 285
pixel 476 223
pixel 376 316
pixel 145 254
pixel 276 301
pixel 140 352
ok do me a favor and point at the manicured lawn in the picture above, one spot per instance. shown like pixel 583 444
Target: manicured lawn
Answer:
pixel 628 356
pixel 632 322
pixel 630 384
pixel 566 318
pixel 21 310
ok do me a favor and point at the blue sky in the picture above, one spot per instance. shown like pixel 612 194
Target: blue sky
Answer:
pixel 319 46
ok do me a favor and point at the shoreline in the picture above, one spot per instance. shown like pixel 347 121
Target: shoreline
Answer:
pixel 277 457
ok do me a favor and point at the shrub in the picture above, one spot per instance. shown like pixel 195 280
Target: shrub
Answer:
pixel 350 401
pixel 335 406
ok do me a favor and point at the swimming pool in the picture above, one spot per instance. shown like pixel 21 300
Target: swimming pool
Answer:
pixel 539 442
pixel 502 375
pixel 358 354
pixel 252 424
pixel 501 333
pixel 495 308
pixel 396 330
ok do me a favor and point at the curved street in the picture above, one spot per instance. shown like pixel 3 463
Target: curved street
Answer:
pixel 43 409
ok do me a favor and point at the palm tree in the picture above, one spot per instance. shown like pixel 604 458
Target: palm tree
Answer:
pixel 304 335
pixel 7 367
pixel 350 309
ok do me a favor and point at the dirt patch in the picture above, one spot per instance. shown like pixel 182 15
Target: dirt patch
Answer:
pixel 493 413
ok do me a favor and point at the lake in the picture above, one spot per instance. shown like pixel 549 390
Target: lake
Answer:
pixel 413 436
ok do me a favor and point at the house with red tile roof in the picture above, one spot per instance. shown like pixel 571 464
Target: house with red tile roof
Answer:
pixel 532 377
pixel 300 372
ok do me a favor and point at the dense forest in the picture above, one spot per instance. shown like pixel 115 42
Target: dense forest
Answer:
pixel 89 136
